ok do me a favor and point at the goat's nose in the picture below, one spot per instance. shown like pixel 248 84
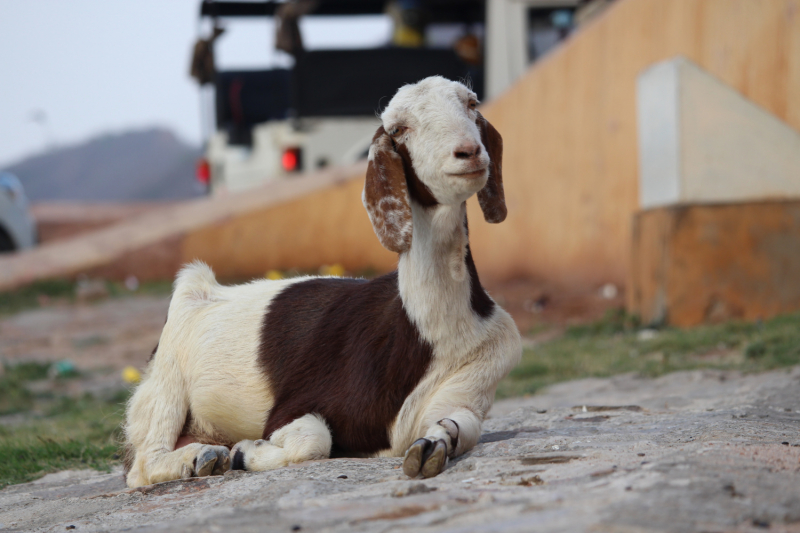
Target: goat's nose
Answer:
pixel 467 151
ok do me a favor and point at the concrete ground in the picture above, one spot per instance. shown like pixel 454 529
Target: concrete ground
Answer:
pixel 691 451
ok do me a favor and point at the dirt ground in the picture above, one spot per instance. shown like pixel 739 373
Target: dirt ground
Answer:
pixel 697 451
pixel 692 451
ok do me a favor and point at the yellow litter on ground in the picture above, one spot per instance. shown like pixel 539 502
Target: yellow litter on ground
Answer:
pixel 332 270
pixel 131 375
pixel 273 274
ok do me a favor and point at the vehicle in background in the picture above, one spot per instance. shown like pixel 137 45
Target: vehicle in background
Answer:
pixel 17 226
pixel 320 111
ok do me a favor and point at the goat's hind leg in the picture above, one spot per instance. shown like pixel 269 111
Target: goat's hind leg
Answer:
pixel 304 439
pixel 155 418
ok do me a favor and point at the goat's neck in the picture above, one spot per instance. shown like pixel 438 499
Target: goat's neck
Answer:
pixel 434 280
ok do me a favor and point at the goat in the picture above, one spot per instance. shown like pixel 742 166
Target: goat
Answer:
pixel 291 370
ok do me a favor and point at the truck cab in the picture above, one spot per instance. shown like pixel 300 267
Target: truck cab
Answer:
pixel 320 107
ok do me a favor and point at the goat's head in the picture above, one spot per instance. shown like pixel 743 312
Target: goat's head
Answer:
pixel 433 148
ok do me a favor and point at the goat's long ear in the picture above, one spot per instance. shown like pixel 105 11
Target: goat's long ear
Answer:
pixel 386 195
pixel 491 197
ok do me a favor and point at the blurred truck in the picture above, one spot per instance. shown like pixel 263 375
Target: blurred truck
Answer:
pixel 274 123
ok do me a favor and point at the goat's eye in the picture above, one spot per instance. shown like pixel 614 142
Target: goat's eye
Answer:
pixel 396 130
pixel 473 104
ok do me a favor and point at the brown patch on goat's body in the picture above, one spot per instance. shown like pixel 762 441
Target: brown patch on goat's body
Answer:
pixel 386 195
pixel 480 301
pixel 344 349
pixel 492 198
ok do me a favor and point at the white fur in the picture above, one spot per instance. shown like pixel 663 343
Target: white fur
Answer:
pixel 438 120
pixel 305 439
pixel 207 359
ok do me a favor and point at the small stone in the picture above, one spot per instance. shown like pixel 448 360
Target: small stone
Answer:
pixel 341 477
pixel 640 454
pixel 609 291
pixel 531 481
pixel 646 335
pixel 785 443
pixel 296 527
pixel 132 283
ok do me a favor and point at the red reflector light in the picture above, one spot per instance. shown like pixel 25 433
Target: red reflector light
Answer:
pixel 291 159
pixel 203 171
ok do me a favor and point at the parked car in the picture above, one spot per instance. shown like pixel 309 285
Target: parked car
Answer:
pixel 17 226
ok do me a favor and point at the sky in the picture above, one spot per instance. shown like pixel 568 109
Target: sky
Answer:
pixel 71 70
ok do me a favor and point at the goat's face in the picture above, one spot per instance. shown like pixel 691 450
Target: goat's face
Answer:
pixel 434 147
pixel 435 121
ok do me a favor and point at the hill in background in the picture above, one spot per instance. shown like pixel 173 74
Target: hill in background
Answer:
pixel 152 164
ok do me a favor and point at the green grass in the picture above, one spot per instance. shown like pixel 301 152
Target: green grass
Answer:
pixel 32 296
pixel 57 432
pixel 613 346
pixel 71 434
pixel 14 395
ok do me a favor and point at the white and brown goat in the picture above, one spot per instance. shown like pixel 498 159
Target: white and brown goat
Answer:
pixel 305 368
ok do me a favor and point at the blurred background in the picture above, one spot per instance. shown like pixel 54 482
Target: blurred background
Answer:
pixel 651 167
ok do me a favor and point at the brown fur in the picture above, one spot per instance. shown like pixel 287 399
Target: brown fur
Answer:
pixel 418 191
pixel 481 303
pixel 492 197
pixel 386 195
pixel 344 349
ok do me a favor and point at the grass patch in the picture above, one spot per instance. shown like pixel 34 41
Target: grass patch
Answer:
pixel 59 432
pixel 14 395
pixel 32 296
pixel 74 434
pixel 614 346
pixel 48 292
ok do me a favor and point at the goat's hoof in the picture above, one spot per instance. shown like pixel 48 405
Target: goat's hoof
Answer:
pixel 415 457
pixel 212 460
pixel 223 463
pixel 435 462
pixel 204 462
pixel 425 457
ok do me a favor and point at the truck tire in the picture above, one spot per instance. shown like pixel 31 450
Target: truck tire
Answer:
pixel 6 244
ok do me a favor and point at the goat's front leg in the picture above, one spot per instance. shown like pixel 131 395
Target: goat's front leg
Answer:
pixel 304 439
pixel 449 437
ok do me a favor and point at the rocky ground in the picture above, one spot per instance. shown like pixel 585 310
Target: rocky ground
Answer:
pixel 692 451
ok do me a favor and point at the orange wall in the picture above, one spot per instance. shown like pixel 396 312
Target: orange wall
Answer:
pixel 571 160
pixel 325 227
pixel 712 263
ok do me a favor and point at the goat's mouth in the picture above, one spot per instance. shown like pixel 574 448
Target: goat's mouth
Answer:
pixel 470 174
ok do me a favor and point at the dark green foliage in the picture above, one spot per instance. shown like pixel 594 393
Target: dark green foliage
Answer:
pixel 32 295
pixel 48 291
pixel 613 322
pixel 14 396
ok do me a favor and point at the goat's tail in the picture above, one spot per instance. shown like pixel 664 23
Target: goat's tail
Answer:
pixel 195 282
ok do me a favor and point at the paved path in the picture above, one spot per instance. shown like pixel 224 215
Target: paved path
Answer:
pixel 692 451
